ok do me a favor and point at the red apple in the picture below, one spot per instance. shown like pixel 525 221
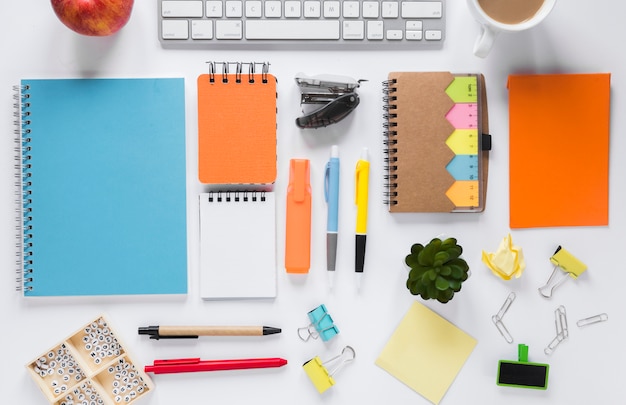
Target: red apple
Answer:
pixel 93 17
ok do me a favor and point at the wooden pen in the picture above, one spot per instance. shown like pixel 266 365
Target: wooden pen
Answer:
pixel 193 332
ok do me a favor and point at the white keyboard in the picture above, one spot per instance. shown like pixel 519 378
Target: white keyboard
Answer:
pixel 349 24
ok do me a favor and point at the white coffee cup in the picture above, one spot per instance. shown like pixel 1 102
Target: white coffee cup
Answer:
pixel 491 27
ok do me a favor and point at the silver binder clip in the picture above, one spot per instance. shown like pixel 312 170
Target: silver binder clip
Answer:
pixel 497 318
pixel 336 95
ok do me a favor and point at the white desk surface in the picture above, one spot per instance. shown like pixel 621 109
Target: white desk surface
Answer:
pixel 579 36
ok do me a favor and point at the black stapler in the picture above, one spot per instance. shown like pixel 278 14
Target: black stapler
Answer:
pixel 336 95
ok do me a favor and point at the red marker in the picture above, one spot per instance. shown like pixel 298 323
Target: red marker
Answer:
pixel 195 364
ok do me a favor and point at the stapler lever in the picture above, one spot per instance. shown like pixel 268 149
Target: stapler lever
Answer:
pixel 336 95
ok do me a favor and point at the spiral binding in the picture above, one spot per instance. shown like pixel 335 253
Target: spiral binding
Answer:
pixel 23 184
pixel 236 196
pixel 390 142
pixel 225 71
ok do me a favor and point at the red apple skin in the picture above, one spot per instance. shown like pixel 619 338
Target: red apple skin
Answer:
pixel 93 17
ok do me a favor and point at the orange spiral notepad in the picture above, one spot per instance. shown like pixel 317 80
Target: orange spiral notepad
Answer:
pixel 559 150
pixel 236 125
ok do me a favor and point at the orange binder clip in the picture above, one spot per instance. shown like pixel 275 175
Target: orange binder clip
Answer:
pixel 298 232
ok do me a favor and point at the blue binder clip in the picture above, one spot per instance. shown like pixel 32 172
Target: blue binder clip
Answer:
pixel 322 325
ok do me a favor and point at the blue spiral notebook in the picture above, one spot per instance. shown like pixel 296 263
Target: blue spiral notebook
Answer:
pixel 102 181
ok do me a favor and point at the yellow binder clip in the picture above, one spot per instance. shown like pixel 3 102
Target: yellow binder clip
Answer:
pixel 568 266
pixel 319 373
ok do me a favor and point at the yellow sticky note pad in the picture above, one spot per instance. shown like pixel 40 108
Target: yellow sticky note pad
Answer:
pixel 318 374
pixel 426 352
pixel 507 262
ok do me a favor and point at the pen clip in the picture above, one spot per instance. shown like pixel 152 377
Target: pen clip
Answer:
pixel 357 174
pixel 175 362
pixel 298 179
pixel 326 180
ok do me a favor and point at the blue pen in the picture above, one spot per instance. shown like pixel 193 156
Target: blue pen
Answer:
pixel 331 194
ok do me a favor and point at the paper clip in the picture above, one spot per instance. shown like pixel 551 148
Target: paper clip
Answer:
pixel 336 94
pixel 322 325
pixel 562 332
pixel 497 318
pixel 565 264
pixel 320 374
pixel 592 319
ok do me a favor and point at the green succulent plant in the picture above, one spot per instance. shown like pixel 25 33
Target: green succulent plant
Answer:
pixel 437 270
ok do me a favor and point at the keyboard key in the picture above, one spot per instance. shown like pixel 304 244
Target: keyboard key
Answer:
pixel 214 9
pixel 177 9
pixel 234 9
pixel 332 9
pixel 370 9
pixel 292 9
pixel 432 35
pixel 353 29
pixel 390 9
pixel 412 25
pixel 394 35
pixel 228 29
pixel 351 9
pixel 421 9
pixel 202 29
pixel 312 9
pixel 375 30
pixel 292 29
pixel 273 9
pixel 253 8
pixel 175 29
pixel 414 35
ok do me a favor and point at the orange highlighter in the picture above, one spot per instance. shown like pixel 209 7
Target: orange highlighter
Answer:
pixel 298 232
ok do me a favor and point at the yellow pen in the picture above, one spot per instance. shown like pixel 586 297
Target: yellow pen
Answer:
pixel 362 174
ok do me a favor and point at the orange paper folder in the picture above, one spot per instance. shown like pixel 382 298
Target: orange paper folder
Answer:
pixel 237 128
pixel 298 221
pixel 559 150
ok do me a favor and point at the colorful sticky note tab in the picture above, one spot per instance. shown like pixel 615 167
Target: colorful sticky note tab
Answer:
pixel 463 116
pixel 464 193
pixel 463 89
pixel 464 141
pixel 464 167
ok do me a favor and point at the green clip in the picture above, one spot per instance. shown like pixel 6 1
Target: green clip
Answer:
pixel 522 373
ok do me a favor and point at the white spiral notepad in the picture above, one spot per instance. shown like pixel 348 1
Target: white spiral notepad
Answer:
pixel 237 245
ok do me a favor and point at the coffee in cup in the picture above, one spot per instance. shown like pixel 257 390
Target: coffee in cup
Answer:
pixel 497 16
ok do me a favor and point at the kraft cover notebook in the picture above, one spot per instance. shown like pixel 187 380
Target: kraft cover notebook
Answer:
pixel 559 150
pixel 237 245
pixel 426 352
pixel 436 142
pixel 103 186
pixel 237 124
